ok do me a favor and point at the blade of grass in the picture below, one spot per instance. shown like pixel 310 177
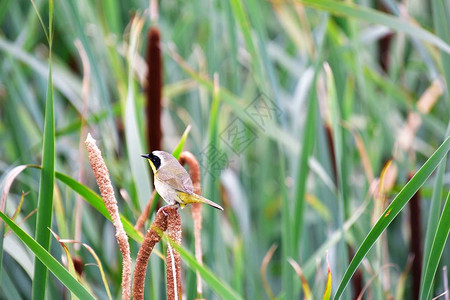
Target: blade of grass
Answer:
pixel 393 210
pixel 256 12
pixel 2 239
pixel 179 148
pixel 3 10
pixel 215 236
pixel 233 48
pixel 442 27
pixel 287 273
pixel 337 149
pixel 17 115
pixel 308 142
pixel 64 82
pixel 49 261
pixel 45 198
pixel 76 19
pixel 432 224
pixel 9 289
pixel 91 197
pixel 7 182
pixel 311 264
pixel 241 18
pixel 373 16
pixel 436 251
pixel 271 130
pixel 110 16
pixel 139 170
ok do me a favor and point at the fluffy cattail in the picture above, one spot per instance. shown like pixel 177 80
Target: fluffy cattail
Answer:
pixel 106 190
pixel 173 260
pixel 152 237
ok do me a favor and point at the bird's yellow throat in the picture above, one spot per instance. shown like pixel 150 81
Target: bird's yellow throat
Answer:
pixel 152 165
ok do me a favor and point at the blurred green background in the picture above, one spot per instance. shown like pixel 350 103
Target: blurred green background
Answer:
pixel 312 99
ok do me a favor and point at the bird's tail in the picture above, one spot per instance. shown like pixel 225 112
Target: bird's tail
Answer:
pixel 194 198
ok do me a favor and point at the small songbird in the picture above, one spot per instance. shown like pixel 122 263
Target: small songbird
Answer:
pixel 172 181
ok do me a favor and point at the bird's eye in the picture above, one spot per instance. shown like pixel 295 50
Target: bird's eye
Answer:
pixel 155 160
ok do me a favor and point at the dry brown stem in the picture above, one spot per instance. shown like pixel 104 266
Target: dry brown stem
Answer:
pixel 106 190
pixel 189 159
pixel 426 102
pixel 262 271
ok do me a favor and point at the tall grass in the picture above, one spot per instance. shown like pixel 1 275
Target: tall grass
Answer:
pixel 293 118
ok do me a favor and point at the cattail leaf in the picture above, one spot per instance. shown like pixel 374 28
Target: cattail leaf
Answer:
pixel 49 261
pixel 392 211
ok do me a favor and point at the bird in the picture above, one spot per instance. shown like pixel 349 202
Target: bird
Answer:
pixel 172 181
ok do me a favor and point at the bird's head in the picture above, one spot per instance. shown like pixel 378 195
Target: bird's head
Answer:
pixel 155 160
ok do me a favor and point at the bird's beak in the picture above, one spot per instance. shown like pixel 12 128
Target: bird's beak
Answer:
pixel 147 156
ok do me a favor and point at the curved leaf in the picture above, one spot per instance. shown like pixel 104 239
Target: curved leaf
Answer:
pixel 89 195
pixel 393 210
pixel 96 201
pixel 327 293
pixel 179 148
pixel 47 180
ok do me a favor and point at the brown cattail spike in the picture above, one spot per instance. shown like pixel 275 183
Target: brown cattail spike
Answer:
pixel 152 237
pixel 154 89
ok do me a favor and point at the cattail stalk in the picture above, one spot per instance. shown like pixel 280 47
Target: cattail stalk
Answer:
pixel 106 190
pixel 173 259
pixel 153 236
pixel 189 159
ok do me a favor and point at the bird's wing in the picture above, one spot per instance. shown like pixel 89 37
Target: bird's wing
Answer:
pixel 178 178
